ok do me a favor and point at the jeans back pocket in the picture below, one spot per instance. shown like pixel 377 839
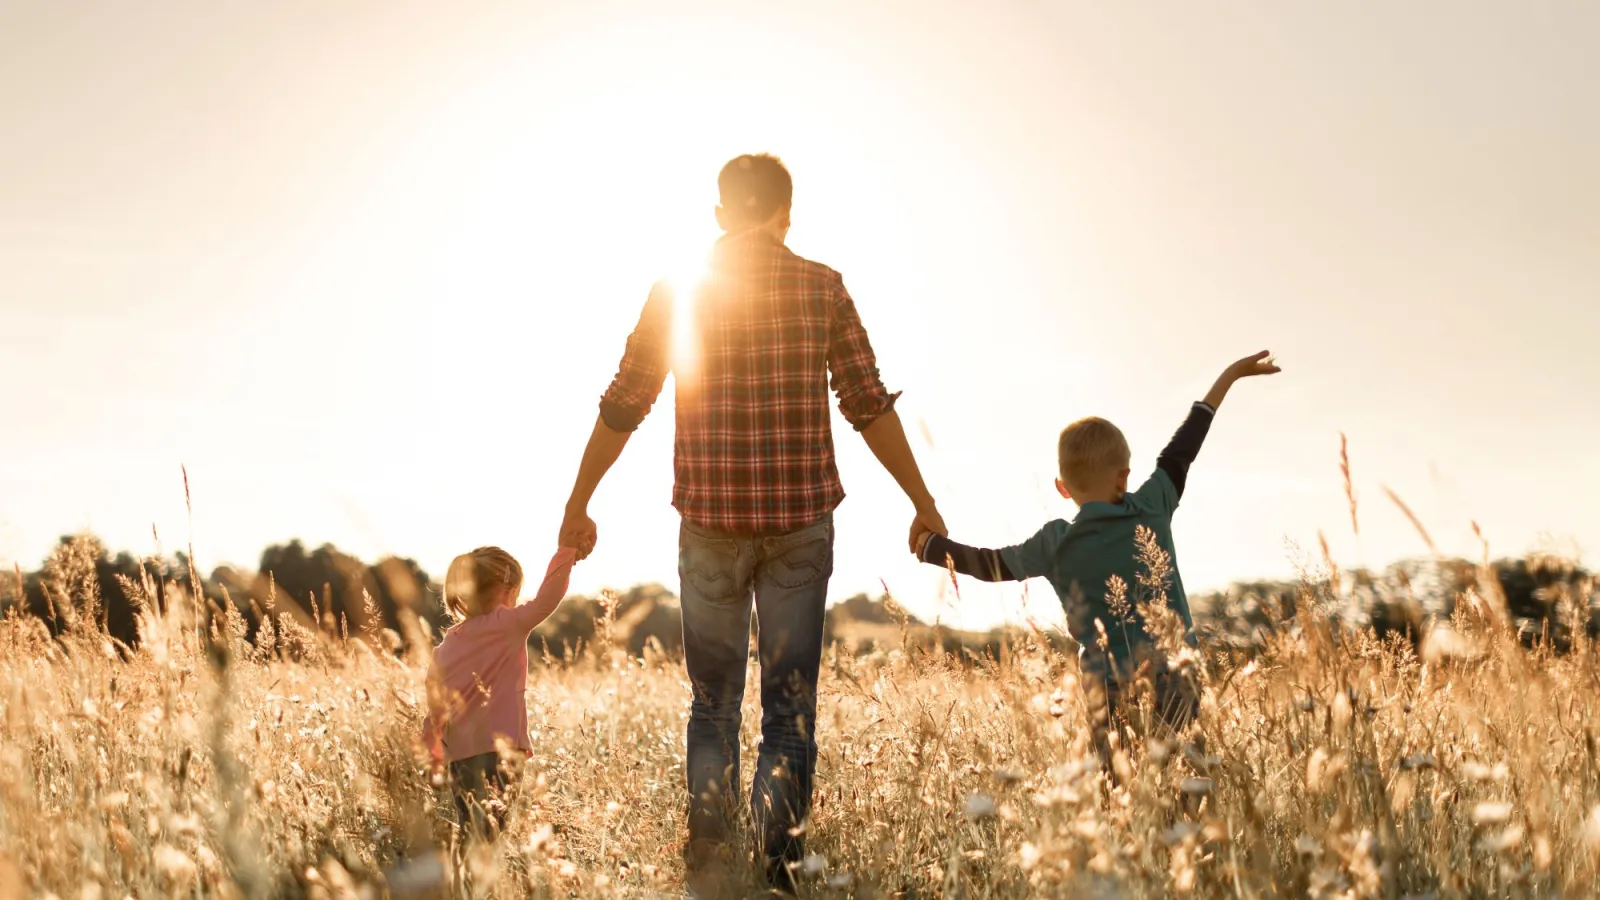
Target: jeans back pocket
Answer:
pixel 708 566
pixel 802 557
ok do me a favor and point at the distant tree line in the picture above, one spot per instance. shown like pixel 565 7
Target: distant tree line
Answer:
pixel 394 602
pixel 1547 600
pixel 323 590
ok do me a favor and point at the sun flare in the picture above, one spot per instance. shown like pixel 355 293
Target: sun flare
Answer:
pixel 686 286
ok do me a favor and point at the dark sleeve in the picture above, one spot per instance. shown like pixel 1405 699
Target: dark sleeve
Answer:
pixel 644 365
pixel 1185 445
pixel 980 563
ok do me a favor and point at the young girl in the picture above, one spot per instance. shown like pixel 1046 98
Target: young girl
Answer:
pixel 480 673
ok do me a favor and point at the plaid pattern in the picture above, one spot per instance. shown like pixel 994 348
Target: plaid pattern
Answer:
pixel 754 446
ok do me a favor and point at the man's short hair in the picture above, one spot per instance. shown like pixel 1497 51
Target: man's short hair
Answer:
pixel 1089 450
pixel 753 188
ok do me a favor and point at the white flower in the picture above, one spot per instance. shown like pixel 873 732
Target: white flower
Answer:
pixel 1491 813
pixel 980 806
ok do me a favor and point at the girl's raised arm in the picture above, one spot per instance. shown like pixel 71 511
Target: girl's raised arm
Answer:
pixel 527 616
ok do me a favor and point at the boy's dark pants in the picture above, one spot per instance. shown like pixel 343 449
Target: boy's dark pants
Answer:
pixel 1114 705
pixel 474 782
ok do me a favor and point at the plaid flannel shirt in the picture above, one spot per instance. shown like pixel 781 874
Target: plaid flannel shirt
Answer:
pixel 755 344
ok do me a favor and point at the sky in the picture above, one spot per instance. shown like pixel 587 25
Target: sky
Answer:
pixel 365 268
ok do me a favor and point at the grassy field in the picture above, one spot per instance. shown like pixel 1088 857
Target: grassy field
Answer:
pixel 1333 766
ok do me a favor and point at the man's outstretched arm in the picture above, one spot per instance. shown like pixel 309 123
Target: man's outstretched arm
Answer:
pixel 627 401
pixel 886 438
pixel 578 531
pixel 869 408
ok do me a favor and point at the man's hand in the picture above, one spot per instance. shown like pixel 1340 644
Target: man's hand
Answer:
pixel 578 532
pixel 927 522
pixel 1254 364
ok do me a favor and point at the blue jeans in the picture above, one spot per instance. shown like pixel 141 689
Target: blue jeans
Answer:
pixel 787 576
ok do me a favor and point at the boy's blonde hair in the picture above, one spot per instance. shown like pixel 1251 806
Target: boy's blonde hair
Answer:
pixel 1090 450
pixel 473 575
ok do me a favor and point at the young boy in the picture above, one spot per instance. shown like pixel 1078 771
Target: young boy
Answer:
pixel 1094 564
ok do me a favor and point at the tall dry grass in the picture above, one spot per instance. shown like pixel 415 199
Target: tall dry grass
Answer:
pixel 1331 765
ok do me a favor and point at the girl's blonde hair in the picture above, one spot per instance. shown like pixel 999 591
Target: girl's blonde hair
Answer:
pixel 474 575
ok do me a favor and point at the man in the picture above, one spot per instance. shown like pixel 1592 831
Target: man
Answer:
pixel 751 348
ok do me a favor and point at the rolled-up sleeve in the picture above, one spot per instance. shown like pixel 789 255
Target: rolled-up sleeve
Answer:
pixel 644 366
pixel 854 367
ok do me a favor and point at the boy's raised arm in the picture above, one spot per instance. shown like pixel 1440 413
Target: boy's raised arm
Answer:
pixel 1181 451
pixel 1185 444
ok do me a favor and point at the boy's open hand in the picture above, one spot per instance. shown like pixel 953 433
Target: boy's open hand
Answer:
pixel 1254 364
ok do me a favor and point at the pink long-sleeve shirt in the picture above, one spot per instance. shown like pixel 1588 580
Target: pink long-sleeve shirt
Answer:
pixel 480 673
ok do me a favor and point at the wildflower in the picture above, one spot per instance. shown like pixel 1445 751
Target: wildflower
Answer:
pixel 1501 841
pixel 1200 761
pixel 1591 830
pixel 1444 643
pixel 1491 813
pixel 980 806
pixel 173 863
pixel 187 826
pixel 1179 833
pixel 1028 856
pixel 420 876
pixel 1475 771
pixel 114 800
pixel 539 838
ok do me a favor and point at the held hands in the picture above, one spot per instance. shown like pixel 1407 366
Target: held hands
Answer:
pixel 927 522
pixel 578 531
